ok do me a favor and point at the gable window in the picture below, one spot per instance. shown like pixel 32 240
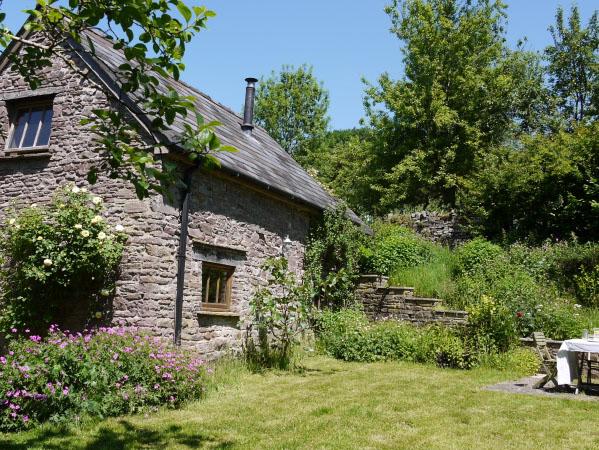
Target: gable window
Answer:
pixel 31 126
pixel 217 281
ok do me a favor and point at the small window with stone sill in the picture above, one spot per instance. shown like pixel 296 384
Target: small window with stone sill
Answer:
pixel 31 125
pixel 217 282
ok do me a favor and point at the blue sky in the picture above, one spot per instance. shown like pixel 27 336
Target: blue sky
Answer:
pixel 343 40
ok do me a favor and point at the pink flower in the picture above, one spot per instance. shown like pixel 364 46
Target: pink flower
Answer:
pixel 65 391
pixel 2 360
pixel 14 330
pixel 25 418
pixel 115 356
pixel 35 338
pixel 156 386
pixel 27 330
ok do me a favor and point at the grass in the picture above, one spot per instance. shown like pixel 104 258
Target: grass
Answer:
pixel 433 279
pixel 332 404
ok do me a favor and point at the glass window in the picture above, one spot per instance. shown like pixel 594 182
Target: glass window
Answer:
pixel 31 127
pixel 216 286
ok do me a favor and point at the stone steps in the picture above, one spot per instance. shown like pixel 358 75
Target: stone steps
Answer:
pixel 382 301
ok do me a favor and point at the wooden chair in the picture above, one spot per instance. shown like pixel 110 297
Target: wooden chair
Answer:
pixel 547 360
pixel 592 365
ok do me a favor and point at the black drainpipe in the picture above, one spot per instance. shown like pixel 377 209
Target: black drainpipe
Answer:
pixel 181 254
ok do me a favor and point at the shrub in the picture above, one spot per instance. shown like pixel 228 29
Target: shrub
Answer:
pixel 279 315
pixel 347 335
pixel 491 326
pixel 332 259
pixel 57 259
pixel 586 286
pixel 108 372
pixel 568 260
pixel 475 255
pixel 395 247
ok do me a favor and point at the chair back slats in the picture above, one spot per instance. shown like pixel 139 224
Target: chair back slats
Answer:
pixel 541 346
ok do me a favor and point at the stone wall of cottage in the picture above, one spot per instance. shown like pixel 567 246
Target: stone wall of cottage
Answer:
pixel 230 222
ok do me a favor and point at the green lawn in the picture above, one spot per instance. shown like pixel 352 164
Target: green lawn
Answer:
pixel 345 405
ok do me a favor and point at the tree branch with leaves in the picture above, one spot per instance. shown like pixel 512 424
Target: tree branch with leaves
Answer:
pixel 153 36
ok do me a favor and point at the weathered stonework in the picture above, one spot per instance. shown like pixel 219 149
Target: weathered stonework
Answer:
pixel 382 302
pixel 443 228
pixel 230 221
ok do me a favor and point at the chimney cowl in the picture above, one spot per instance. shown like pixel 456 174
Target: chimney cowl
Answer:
pixel 248 109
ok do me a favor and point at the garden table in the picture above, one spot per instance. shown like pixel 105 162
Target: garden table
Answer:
pixel 568 368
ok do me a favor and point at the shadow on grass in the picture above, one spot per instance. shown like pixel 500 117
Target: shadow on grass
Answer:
pixel 123 436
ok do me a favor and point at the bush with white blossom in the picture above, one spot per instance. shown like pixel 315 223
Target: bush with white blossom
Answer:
pixel 56 255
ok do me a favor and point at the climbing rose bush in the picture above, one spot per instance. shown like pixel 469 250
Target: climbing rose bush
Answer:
pixel 57 257
pixel 107 372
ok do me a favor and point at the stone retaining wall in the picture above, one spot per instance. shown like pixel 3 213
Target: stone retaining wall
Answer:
pixel 397 302
pixel 443 228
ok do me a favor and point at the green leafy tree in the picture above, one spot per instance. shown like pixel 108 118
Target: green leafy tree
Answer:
pixel 343 162
pixel 292 106
pixel 574 65
pixel 461 94
pixel 153 36
pixel 546 188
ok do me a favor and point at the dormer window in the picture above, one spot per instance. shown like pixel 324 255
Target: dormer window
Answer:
pixel 31 125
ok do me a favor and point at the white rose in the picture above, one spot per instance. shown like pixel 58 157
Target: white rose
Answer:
pixel 47 262
pixel 119 228
pixel 11 221
pixel 39 238
pixel 96 200
pixel 104 292
pixel 34 205
pixel 85 233
pixel 83 190
pixel 78 226
pixel 101 235
pixel 75 190
pixel 97 219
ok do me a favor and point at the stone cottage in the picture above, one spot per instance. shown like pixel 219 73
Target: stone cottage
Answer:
pixel 259 204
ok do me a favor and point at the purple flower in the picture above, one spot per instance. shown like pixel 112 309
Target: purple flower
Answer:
pixel 35 338
pixel 65 391
pixel 156 386
pixel 115 356
pixel 25 418
pixel 14 330
pixel 2 360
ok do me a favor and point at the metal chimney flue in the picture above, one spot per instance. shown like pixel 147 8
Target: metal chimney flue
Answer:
pixel 248 110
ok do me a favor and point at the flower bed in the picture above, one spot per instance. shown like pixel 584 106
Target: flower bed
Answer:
pixel 107 372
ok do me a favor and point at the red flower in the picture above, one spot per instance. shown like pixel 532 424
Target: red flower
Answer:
pixel 519 314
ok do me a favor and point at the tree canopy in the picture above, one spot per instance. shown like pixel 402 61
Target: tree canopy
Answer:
pixel 292 107
pixel 461 94
pixel 153 36
pixel 574 65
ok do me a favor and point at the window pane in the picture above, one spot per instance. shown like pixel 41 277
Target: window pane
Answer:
pixel 222 296
pixel 44 136
pixel 32 127
pixel 213 286
pixel 20 122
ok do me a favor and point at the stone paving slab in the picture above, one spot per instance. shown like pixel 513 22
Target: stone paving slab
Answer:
pixel 525 386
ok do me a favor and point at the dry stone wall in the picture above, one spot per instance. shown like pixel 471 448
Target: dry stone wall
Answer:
pixel 230 222
pixel 382 302
pixel 443 228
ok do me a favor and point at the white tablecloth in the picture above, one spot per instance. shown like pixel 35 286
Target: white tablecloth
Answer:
pixel 567 358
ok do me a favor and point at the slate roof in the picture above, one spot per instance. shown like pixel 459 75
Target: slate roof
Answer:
pixel 260 158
